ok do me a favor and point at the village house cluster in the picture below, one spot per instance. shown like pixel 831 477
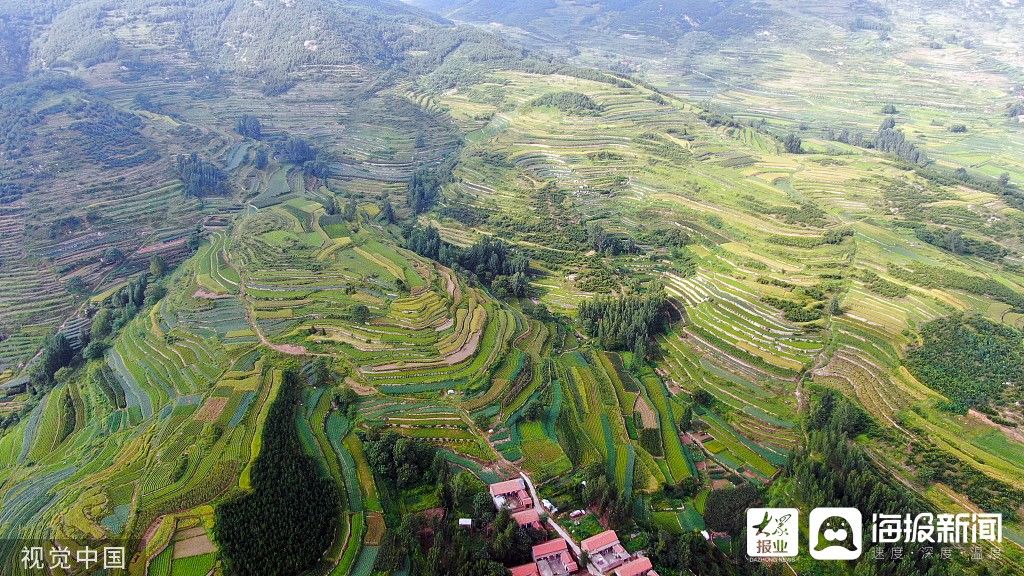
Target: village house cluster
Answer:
pixel 603 553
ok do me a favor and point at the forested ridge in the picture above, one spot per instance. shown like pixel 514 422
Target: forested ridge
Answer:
pixel 283 526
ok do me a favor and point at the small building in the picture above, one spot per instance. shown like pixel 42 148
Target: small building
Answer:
pixel 553 558
pixel 511 495
pixel 577 514
pixel 465 522
pixel 528 518
pixel 637 567
pixel 525 570
pixel 549 506
pixel 605 551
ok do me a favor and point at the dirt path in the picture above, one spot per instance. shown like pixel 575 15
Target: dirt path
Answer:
pixel 1011 432
pixel 551 521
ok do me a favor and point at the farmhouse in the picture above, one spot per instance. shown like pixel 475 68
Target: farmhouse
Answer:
pixel 511 495
pixel 638 567
pixel 553 558
pixel 528 518
pixel 605 551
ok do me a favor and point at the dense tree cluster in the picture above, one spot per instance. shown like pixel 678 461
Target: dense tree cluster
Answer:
pixel 200 177
pixel 56 354
pixel 424 187
pixel 724 509
pixel 793 144
pixel 941 277
pixel 19 113
pixel 436 545
pixel 108 136
pixel 10 191
pixel 968 358
pixel 845 136
pixel 295 151
pixel 491 261
pixel 387 212
pixel 400 461
pixel 610 244
pixel 831 470
pixel 602 494
pixel 805 213
pixel 690 553
pixel 570 102
pixel 934 464
pixel 624 322
pixel 884 287
pixel 116 311
pixel 893 142
pixel 287 522
pixel 795 311
pixel 249 126
pixel 954 241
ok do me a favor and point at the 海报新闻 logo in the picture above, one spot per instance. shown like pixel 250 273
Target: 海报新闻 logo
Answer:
pixel 836 533
pixel 772 532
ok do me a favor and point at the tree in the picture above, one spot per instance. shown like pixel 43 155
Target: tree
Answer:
pixel 201 178
pixel 78 286
pixel 95 350
pixel 261 160
pixel 112 256
pixel 703 397
pixel 290 496
pixel 624 322
pixel 360 313
pixel 249 126
pixel 295 150
pixel 687 420
pixel 1004 181
pixel 100 325
pixel 889 109
pixel 56 354
pixel 387 212
pixel 793 144
pixel 157 266
pixel 320 373
pixel 958 128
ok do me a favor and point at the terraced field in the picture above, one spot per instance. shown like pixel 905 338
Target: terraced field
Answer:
pixel 758 229
pixel 784 275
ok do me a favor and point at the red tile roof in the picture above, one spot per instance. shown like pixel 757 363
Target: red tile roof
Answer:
pixel 637 567
pixel 507 487
pixel 550 547
pixel 525 570
pixel 600 541
pixel 526 517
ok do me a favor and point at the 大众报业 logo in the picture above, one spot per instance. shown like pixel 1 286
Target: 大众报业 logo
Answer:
pixel 772 532
pixel 836 533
